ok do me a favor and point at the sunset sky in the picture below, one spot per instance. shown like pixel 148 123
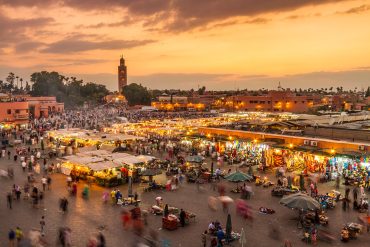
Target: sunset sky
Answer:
pixel 222 44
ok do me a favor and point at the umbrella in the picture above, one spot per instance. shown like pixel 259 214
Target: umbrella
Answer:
pixel 228 228
pixel 212 203
pixel 225 199
pixel 195 159
pixel 238 177
pixel 300 201
pixel 242 240
pixel 150 173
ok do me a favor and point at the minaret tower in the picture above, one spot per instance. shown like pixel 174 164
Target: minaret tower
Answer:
pixel 122 74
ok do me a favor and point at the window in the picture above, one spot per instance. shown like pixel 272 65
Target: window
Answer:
pixel 9 111
pixel 262 102
pixel 251 102
pixel 17 111
pixel 295 102
pixel 303 102
pixel 268 102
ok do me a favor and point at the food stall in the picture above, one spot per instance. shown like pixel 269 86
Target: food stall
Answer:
pixel 102 167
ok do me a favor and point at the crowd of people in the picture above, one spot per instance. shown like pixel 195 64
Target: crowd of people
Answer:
pixel 38 172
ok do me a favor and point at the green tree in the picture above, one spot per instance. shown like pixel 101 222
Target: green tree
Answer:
pixel 47 84
pixel 136 94
pixel 72 91
pixel 93 93
pixel 202 90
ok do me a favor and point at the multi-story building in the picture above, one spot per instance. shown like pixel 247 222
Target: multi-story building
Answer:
pixel 122 74
pixel 273 101
pixel 18 109
pixel 14 113
pixel 171 103
pixel 43 106
pixel 345 101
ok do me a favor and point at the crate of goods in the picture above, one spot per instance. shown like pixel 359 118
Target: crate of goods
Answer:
pixel 169 223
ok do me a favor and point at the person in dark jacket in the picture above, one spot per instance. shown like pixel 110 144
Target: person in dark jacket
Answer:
pixel 182 217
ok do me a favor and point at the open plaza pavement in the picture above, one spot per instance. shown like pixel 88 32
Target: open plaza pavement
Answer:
pixel 86 216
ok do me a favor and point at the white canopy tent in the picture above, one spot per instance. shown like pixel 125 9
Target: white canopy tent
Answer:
pixel 99 166
pixel 83 160
pixel 119 155
pixel 94 153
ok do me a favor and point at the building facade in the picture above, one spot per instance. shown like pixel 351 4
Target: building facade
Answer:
pixel 273 101
pixel 122 74
pixel 43 106
pixel 18 109
pixel 14 113
pixel 181 103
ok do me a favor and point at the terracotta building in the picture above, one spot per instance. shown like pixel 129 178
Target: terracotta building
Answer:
pixel 43 106
pixel 18 109
pixel 273 101
pixel 16 113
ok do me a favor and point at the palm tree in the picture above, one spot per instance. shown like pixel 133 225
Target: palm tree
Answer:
pixel 17 80
pixel 21 83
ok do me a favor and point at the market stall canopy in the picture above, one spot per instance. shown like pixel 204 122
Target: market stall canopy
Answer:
pixel 300 201
pixel 70 133
pixel 94 153
pixel 195 159
pixel 118 137
pixel 238 177
pixel 82 160
pixel 119 155
pixel 145 158
pixel 91 135
pixel 350 153
pixel 106 147
pixel 131 160
pixel 99 166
